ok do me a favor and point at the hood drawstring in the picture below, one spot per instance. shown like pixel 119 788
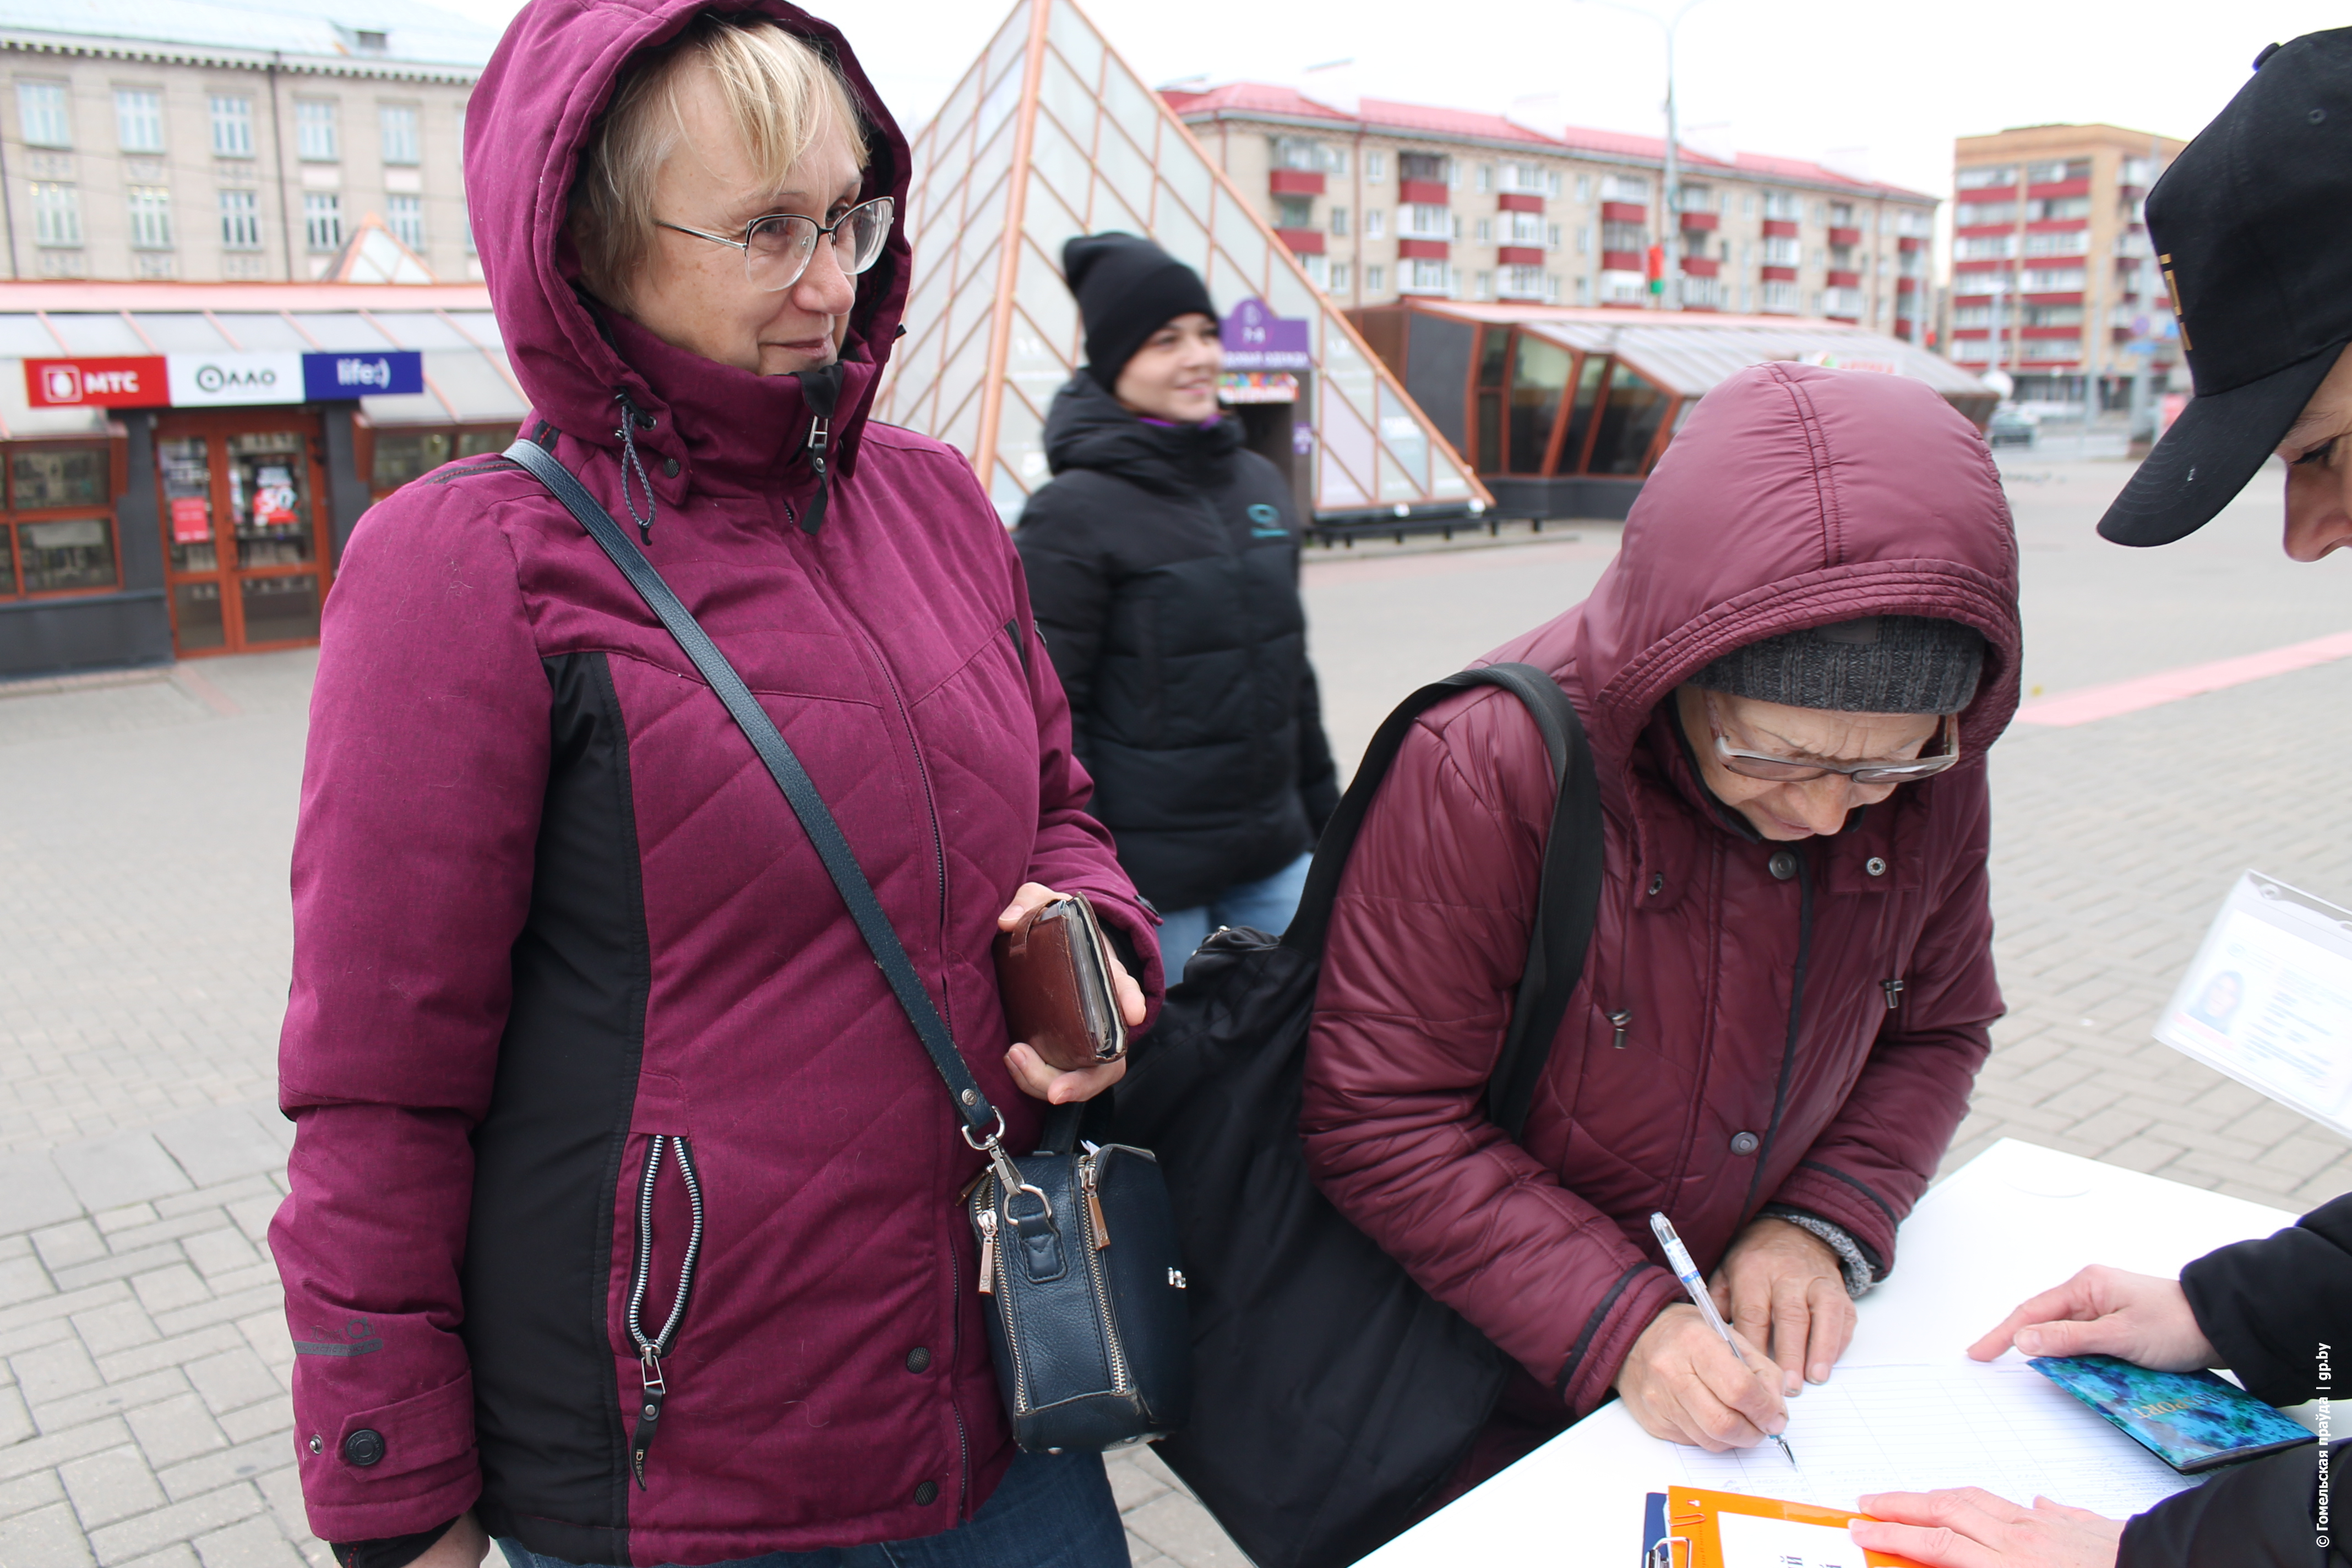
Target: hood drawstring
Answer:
pixel 821 388
pixel 631 416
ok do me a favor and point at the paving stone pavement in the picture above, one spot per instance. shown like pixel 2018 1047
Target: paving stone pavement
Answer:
pixel 144 822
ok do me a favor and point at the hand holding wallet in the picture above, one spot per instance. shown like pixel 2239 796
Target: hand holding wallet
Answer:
pixel 1054 976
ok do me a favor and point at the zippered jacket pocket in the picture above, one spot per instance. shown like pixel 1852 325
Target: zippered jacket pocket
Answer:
pixel 650 1340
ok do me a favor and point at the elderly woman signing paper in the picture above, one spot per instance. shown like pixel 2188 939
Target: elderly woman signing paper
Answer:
pixel 1789 678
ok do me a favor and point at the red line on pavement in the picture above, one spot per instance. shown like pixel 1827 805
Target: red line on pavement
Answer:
pixel 2172 685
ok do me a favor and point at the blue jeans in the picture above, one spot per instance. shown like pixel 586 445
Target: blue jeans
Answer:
pixel 1268 905
pixel 1051 1510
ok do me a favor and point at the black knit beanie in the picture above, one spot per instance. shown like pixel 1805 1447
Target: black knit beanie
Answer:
pixel 1127 288
pixel 1880 664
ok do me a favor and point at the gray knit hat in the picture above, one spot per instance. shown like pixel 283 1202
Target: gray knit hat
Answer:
pixel 1880 664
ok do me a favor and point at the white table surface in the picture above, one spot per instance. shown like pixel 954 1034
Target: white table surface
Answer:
pixel 2014 1221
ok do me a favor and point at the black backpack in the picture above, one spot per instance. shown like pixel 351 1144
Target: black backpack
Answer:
pixel 1332 1396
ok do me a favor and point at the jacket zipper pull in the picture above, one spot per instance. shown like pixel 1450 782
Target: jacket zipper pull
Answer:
pixel 1622 1018
pixel 648 1414
pixel 988 1250
pixel 1894 989
pixel 819 430
pixel 1094 1205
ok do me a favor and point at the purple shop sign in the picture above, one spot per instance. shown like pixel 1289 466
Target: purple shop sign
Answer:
pixel 1257 339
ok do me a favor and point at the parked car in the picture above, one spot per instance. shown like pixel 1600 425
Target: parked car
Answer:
pixel 2011 426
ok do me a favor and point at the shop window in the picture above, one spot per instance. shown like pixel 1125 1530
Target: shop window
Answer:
pixel 43 477
pixel 1589 379
pixel 400 456
pixel 1628 421
pixel 1494 358
pixel 1539 381
pixel 61 556
pixel 42 552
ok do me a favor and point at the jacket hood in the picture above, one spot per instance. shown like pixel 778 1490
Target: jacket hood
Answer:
pixel 1088 429
pixel 1795 497
pixel 528 122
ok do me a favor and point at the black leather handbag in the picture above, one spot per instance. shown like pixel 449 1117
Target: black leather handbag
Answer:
pixel 1078 1259
pixel 1085 1307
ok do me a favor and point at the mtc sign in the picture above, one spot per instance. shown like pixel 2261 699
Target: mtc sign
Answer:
pixel 221 380
pixel 96 383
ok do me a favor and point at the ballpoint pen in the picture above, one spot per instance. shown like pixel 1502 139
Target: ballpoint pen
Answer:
pixel 1678 1258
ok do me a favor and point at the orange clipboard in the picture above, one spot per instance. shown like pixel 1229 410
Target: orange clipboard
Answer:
pixel 1694 1540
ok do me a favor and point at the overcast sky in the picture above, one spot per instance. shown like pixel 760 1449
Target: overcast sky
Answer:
pixel 1878 85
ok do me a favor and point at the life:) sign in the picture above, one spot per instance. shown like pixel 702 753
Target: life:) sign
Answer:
pixel 222 380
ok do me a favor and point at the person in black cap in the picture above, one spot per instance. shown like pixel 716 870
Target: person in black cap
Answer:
pixel 2252 225
pixel 1163 567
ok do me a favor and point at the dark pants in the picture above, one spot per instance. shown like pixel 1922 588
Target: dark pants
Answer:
pixel 1052 1510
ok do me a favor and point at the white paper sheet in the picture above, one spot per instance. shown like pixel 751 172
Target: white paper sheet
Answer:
pixel 2004 1426
pixel 1749 1540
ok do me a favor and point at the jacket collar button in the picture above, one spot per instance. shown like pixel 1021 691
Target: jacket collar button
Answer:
pixel 1783 864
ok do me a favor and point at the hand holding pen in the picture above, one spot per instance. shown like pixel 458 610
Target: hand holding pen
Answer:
pixel 1681 1391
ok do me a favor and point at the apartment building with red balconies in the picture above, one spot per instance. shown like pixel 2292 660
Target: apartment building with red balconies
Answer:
pixel 2053 280
pixel 1387 200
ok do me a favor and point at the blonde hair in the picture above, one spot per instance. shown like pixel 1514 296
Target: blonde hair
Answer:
pixel 777 92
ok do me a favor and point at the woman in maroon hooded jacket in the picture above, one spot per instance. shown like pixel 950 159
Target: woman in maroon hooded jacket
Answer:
pixel 1790 982
pixel 624 1217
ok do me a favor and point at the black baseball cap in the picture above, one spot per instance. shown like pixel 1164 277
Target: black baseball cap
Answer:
pixel 2252 229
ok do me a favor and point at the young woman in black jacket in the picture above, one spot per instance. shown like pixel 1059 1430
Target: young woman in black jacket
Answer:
pixel 1164 566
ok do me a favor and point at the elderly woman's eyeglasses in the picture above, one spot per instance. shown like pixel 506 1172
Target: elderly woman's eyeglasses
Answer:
pixel 777 248
pixel 1788 769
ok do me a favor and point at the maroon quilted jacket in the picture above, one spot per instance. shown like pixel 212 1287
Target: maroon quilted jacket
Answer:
pixel 549 908
pixel 1765 1055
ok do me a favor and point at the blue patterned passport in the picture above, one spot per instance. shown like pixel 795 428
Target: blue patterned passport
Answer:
pixel 2193 1421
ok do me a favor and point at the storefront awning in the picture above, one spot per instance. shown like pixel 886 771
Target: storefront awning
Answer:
pixel 1689 351
pixel 466 378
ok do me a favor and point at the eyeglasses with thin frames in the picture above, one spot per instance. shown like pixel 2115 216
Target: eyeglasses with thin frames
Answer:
pixel 1790 770
pixel 777 248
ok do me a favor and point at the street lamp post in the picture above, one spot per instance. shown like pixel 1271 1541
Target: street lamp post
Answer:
pixel 1671 203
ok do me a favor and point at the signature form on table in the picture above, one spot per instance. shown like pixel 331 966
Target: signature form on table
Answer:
pixel 1959 1422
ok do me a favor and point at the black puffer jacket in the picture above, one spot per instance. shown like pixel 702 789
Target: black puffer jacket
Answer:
pixel 1163 566
pixel 2271 1308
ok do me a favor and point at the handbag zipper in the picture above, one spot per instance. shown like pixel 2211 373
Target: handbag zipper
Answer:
pixel 985 1218
pixel 1087 1172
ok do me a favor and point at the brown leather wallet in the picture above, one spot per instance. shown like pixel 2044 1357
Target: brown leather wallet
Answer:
pixel 1053 974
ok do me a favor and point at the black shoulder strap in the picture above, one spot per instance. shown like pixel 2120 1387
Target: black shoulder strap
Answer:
pixel 1569 885
pixel 982 1124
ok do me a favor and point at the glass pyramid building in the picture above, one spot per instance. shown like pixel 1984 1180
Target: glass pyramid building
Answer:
pixel 1050 136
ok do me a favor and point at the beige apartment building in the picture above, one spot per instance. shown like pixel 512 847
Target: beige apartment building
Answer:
pixel 1394 200
pixel 2053 280
pixel 210 142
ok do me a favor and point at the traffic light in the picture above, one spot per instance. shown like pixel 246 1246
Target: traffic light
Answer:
pixel 1656 263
